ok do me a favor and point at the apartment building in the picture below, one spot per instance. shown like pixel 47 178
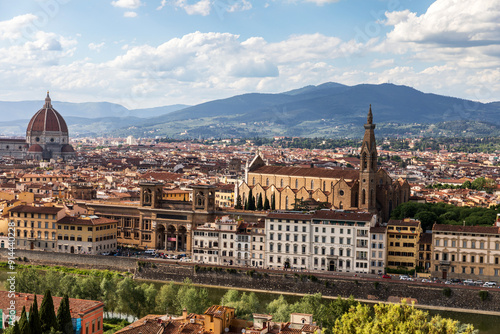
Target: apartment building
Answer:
pixel 324 240
pixel 288 242
pixel 466 252
pixel 36 226
pixel 86 235
pixel 402 243
pixel 378 243
pixel 425 252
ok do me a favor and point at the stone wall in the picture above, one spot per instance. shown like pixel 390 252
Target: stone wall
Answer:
pixel 374 290
pixel 72 260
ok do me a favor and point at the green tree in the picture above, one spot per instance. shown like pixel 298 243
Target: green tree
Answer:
pixel 279 309
pixel 267 206
pixel 24 325
pixel 108 292
pixel 166 300
pixel 35 325
pixel 192 299
pixel 47 313
pixel 238 203
pixel 260 205
pixel 394 318
pixel 130 297
pixel 273 202
pixel 245 305
pixel 64 323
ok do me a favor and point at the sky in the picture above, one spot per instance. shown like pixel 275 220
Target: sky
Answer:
pixel 148 53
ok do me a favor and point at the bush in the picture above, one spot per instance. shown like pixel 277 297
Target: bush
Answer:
pixel 312 278
pixel 483 295
pixel 447 292
pixel 196 268
pixel 250 273
pixel 376 284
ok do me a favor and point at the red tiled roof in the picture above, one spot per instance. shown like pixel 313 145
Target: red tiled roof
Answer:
pixel 343 215
pixel 47 119
pixel 85 220
pixel 309 172
pixel 36 209
pixel 466 229
pixel 78 307
pixel 402 223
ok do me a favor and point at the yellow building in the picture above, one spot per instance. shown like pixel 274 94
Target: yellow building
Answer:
pixel 403 243
pixel 466 252
pixel 176 195
pixel 86 235
pixel 36 226
pixel 224 195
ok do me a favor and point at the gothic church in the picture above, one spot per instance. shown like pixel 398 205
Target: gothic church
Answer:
pixel 370 189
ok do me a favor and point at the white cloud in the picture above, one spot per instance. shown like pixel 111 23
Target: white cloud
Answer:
pixel 14 28
pixel 322 2
pixel 129 4
pixel 130 14
pixel 376 63
pixel 96 47
pixel 201 7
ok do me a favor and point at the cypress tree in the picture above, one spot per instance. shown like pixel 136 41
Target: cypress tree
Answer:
pixel 24 325
pixel 246 205
pixel 35 325
pixel 266 204
pixel 47 313
pixel 251 201
pixel 238 203
pixel 273 202
pixel 16 329
pixel 260 204
pixel 64 323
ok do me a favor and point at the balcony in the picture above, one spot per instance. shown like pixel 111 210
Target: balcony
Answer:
pixel 444 262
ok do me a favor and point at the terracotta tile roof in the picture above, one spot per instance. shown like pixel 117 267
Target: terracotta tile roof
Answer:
pixel 393 222
pixel 217 310
pixel 78 307
pixel 289 215
pixel 425 238
pixel 343 215
pixel 155 324
pixel 85 220
pixel 309 172
pixel 466 229
pixel 36 209
pixel 378 229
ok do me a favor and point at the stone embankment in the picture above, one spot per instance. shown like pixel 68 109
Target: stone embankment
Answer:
pixel 289 282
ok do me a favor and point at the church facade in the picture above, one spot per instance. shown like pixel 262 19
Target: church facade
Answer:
pixel 368 189
pixel 47 137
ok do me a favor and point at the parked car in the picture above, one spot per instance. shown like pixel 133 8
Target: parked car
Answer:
pixel 386 276
pixel 150 251
pixel 468 282
pixel 426 280
pixel 490 284
pixel 404 278
pixel 478 282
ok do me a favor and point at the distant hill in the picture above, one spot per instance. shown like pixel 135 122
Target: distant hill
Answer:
pixel 327 110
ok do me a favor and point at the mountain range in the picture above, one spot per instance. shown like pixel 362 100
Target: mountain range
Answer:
pixel 329 110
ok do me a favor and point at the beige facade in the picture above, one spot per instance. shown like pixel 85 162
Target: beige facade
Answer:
pixel 466 252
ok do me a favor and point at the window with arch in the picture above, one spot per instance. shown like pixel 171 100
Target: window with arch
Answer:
pixel 296 184
pixel 365 163
pixel 312 184
pixel 267 182
pixel 281 183
pixel 286 202
pixel 363 197
pixel 324 185
pixel 253 180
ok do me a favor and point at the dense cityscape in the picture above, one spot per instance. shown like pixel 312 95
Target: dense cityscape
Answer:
pixel 250 167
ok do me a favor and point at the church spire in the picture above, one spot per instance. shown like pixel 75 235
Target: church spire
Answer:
pixel 370 116
pixel 48 103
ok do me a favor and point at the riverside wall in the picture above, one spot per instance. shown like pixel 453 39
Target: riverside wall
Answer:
pixel 290 282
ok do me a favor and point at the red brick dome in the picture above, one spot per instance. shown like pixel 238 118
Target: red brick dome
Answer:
pixel 67 149
pixel 47 119
pixel 35 148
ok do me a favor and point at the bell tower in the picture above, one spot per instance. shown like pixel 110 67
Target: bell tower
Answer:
pixel 368 167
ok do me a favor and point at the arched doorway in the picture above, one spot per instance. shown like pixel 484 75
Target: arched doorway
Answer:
pixel 286 265
pixel 331 265
pixel 72 249
pixel 160 237
pixel 171 237
pixel 181 239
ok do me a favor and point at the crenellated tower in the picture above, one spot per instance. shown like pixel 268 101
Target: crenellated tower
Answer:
pixel 368 168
